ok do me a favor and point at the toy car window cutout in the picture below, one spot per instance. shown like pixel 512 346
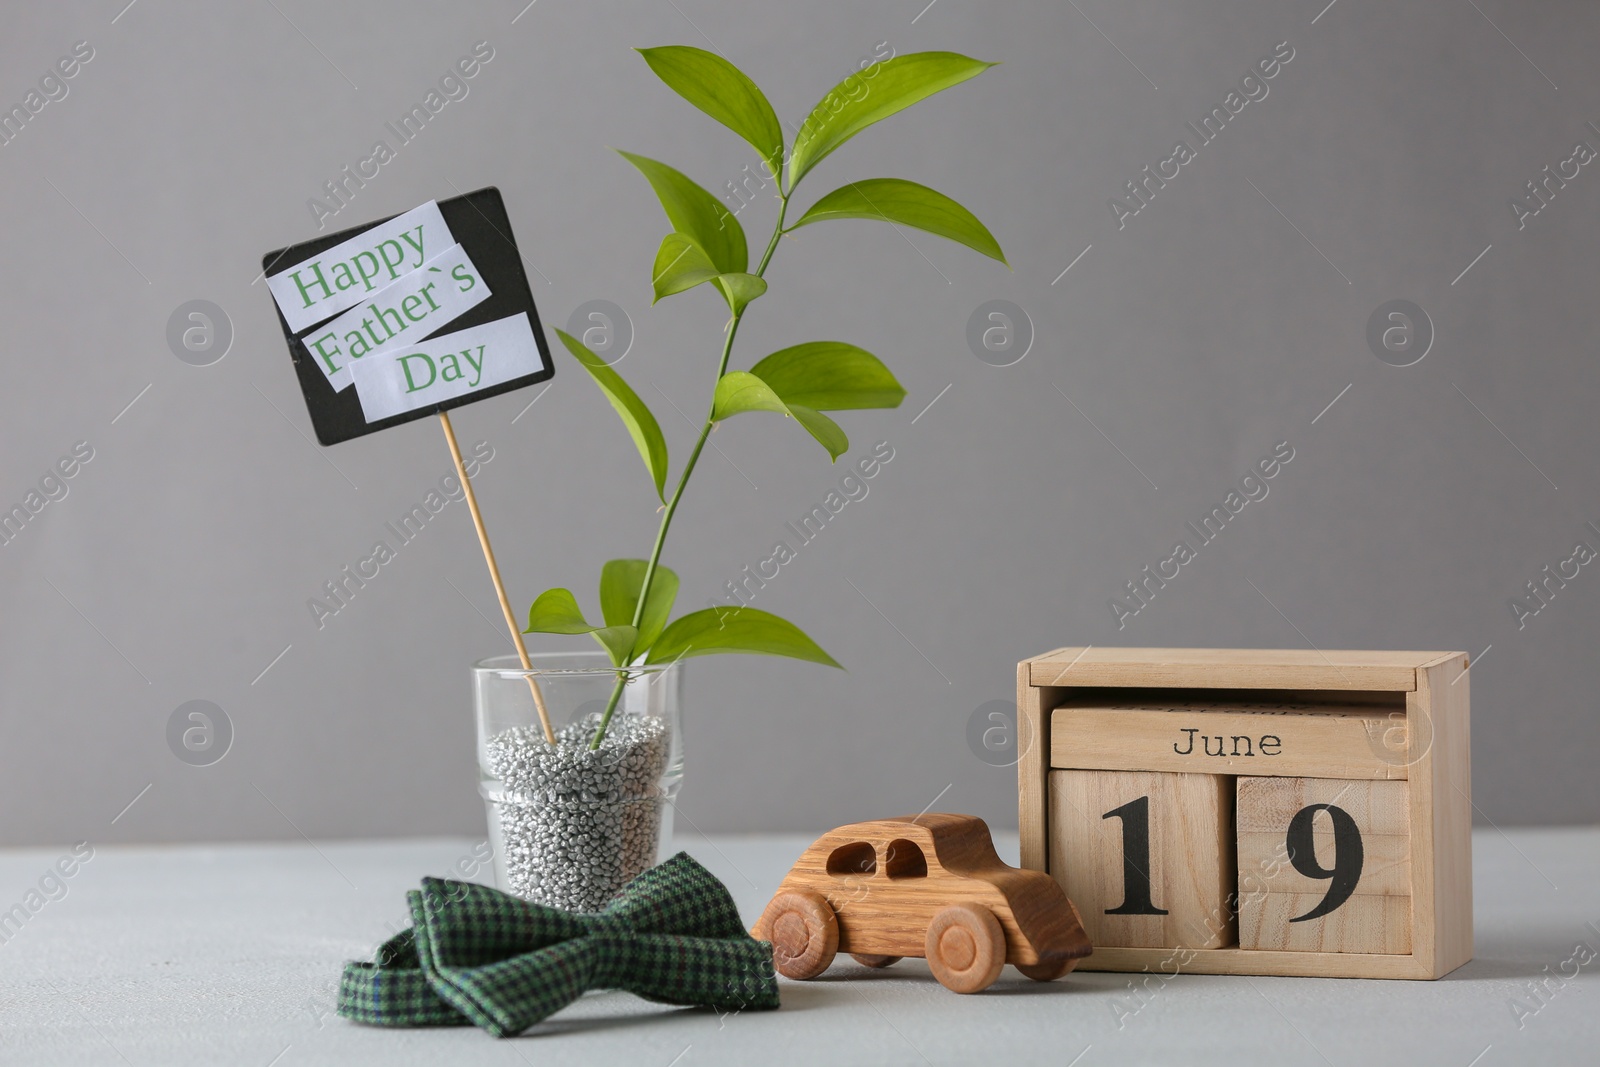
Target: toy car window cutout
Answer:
pixel 904 859
pixel 858 857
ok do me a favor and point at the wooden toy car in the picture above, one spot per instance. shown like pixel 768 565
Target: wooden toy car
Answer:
pixel 929 885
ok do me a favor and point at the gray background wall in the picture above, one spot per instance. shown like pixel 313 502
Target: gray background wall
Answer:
pixel 1221 320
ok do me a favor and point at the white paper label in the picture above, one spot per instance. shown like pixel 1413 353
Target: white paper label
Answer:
pixel 422 302
pixel 445 367
pixel 348 273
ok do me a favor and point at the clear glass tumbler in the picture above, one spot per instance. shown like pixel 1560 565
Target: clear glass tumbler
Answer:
pixel 572 824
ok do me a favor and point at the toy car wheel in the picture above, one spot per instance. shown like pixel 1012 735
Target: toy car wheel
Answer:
pixel 1047 970
pixel 966 947
pixel 804 933
pixel 869 960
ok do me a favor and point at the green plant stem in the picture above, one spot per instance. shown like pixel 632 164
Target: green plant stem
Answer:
pixel 683 479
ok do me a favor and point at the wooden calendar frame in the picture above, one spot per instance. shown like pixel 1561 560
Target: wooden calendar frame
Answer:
pixel 1434 688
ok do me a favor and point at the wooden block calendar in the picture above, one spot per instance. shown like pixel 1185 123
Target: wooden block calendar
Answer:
pixel 1236 811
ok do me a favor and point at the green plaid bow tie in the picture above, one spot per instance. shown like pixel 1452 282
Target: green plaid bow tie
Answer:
pixel 477 955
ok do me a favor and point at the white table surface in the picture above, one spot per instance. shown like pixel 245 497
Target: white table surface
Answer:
pixel 230 955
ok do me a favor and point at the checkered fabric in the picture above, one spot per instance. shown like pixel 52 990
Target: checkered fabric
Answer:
pixel 477 955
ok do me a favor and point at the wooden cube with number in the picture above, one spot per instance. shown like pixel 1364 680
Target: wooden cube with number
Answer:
pixel 1324 865
pixel 1151 856
pixel 1247 811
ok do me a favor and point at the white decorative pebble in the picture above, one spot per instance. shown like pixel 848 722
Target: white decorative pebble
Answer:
pixel 579 824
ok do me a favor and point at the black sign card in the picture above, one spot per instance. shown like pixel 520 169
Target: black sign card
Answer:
pixel 408 316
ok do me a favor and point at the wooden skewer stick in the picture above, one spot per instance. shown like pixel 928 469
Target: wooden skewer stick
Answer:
pixel 494 573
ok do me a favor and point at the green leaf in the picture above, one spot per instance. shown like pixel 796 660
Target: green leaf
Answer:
pixel 909 204
pixel 724 92
pixel 739 391
pixel 680 264
pixel 618 641
pixel 830 376
pixel 557 612
pixel 636 416
pixel 696 214
pixel 620 582
pixel 739 289
pixel 829 434
pixel 857 102
pixel 716 630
